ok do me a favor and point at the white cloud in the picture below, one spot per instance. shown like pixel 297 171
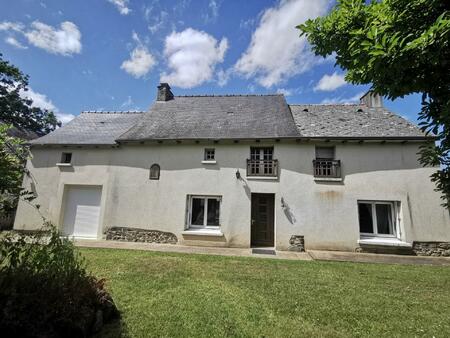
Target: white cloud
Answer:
pixel 140 62
pixel 64 118
pixel 223 76
pixel 127 103
pixel 41 101
pixel 122 6
pixel 159 22
pixel 328 83
pixel 192 57
pixel 65 41
pixel 343 100
pixel 213 11
pixel 276 52
pixel 14 26
pixel 13 42
pixel 285 91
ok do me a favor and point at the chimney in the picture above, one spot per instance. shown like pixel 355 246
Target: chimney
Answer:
pixel 372 100
pixel 164 93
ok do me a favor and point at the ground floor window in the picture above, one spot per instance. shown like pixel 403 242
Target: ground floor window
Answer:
pixel 377 218
pixel 203 211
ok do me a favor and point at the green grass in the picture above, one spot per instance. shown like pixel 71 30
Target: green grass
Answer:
pixel 176 295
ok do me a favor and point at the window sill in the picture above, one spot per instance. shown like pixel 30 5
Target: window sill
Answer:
pixel 203 232
pixel 328 179
pixel 209 162
pixel 63 164
pixel 384 241
pixel 262 178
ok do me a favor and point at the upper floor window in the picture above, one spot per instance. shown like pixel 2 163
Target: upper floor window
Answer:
pixel 261 162
pixel 377 218
pixel 325 153
pixel 210 154
pixel 66 158
pixel 154 171
pixel 325 165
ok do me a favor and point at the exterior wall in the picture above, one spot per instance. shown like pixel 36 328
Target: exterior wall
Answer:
pixel 324 212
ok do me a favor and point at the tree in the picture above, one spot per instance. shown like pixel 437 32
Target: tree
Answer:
pixel 400 47
pixel 17 116
pixel 16 110
pixel 13 155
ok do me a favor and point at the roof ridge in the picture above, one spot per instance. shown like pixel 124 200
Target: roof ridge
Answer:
pixel 228 95
pixel 326 104
pixel 112 112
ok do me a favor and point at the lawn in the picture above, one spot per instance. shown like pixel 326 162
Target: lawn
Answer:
pixel 174 295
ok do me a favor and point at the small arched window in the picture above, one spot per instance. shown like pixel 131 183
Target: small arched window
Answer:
pixel 154 171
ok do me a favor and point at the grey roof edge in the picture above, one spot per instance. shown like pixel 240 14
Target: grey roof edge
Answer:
pixel 355 138
pixel 228 95
pixel 113 112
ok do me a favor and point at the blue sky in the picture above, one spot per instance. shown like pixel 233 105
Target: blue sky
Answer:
pixel 111 54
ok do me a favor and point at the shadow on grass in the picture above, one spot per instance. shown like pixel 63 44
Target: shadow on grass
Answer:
pixel 114 329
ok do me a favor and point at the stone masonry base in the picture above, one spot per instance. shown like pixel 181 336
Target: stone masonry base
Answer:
pixel 432 249
pixel 140 235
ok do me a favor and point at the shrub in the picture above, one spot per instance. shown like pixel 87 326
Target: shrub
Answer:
pixel 45 290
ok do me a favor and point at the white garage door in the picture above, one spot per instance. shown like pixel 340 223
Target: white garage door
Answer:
pixel 82 211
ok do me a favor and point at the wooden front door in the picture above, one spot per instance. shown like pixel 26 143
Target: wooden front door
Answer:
pixel 262 222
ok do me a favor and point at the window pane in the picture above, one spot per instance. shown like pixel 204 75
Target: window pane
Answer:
pixel 384 219
pixel 209 154
pixel 255 153
pixel 213 212
pixel 325 153
pixel 198 211
pixel 365 218
pixel 268 153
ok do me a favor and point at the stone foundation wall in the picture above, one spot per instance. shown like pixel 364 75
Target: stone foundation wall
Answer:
pixel 140 235
pixel 297 243
pixel 432 248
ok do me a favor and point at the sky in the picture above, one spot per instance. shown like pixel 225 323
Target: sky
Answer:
pixel 111 54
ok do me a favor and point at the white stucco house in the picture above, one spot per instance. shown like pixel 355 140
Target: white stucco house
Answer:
pixel 240 171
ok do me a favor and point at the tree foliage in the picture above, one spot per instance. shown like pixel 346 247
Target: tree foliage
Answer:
pixel 399 47
pixel 18 111
pixel 13 155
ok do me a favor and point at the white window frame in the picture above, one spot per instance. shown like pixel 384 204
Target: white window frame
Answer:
pixel 205 212
pixel 394 214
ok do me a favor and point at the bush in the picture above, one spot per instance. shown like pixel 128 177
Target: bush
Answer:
pixel 45 290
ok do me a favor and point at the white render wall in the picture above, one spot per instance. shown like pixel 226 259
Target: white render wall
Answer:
pixel 325 213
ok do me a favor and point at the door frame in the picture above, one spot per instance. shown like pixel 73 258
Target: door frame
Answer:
pixel 274 218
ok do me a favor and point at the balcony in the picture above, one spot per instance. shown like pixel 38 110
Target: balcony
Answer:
pixel 327 168
pixel 262 168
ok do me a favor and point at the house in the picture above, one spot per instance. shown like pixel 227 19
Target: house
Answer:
pixel 240 171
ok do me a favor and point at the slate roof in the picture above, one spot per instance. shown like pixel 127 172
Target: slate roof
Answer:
pixel 351 121
pixel 96 128
pixel 215 117
pixel 232 117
